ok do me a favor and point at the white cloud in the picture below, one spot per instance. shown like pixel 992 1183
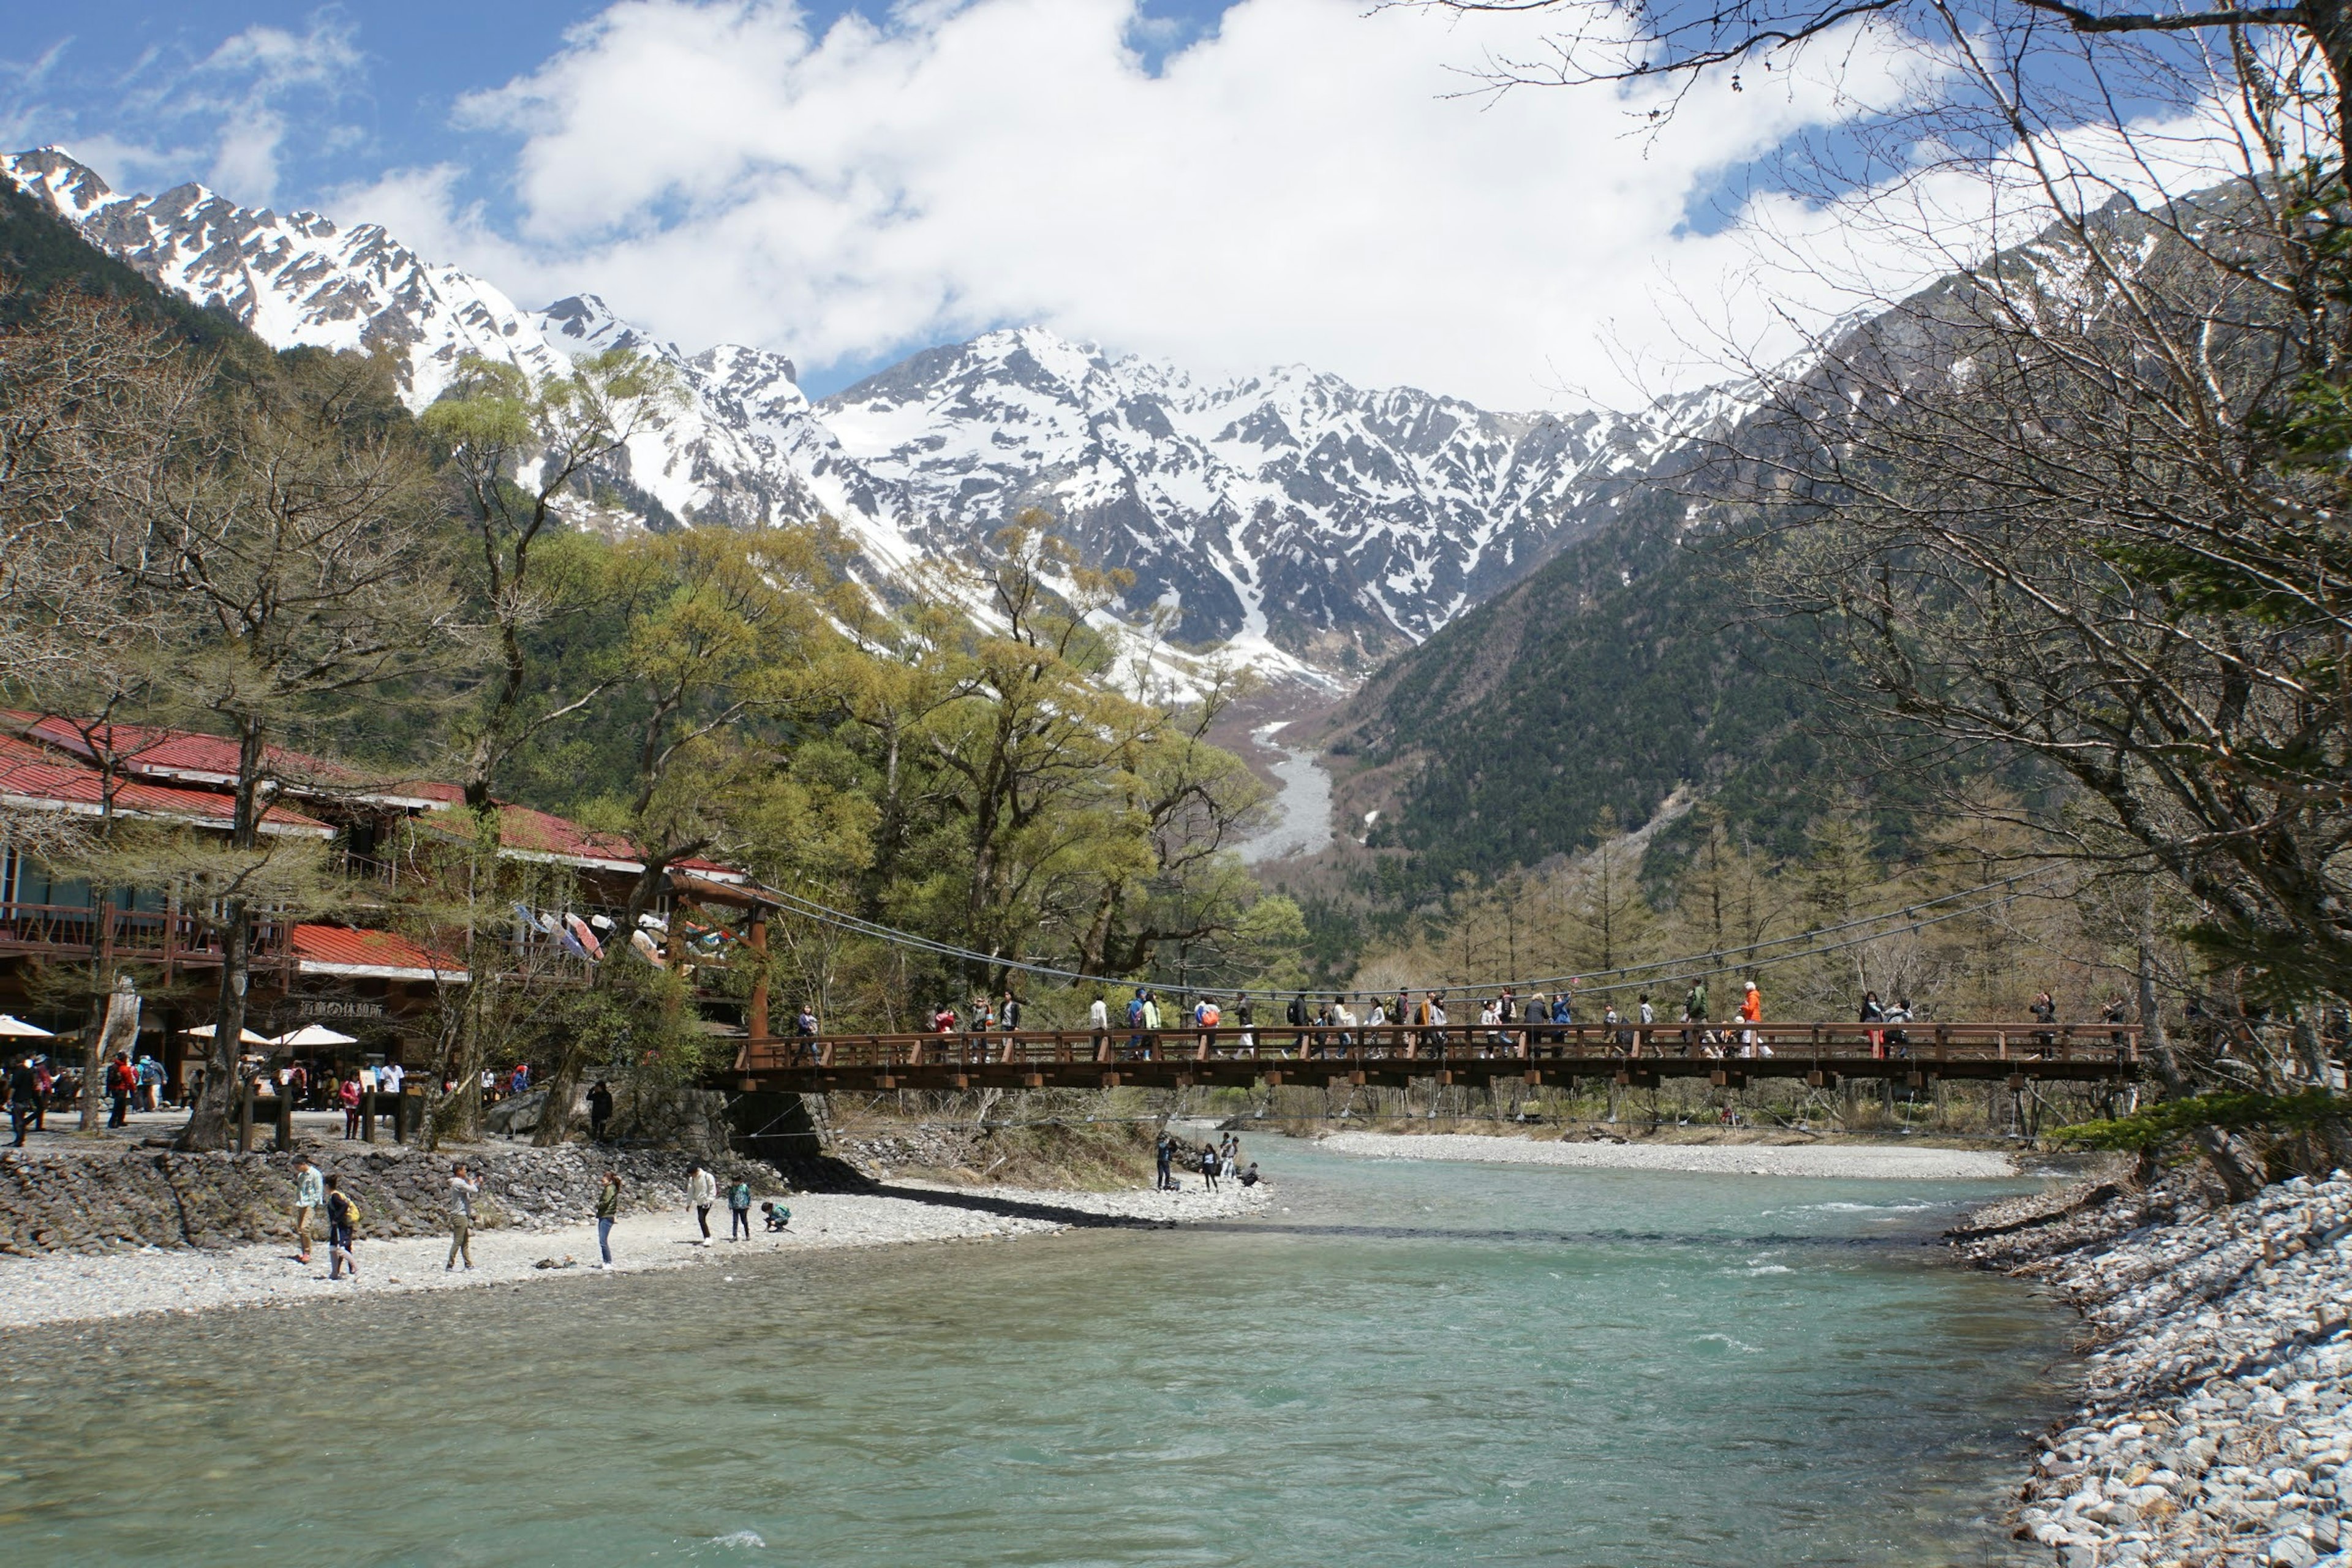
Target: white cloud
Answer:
pixel 243 84
pixel 1296 187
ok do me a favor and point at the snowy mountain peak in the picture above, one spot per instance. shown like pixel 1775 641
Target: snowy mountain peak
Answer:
pixel 1287 513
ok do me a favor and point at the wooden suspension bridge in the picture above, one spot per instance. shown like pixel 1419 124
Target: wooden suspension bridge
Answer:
pixel 1638 1054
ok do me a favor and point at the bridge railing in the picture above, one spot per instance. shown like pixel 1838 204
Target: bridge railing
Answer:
pixel 1387 1045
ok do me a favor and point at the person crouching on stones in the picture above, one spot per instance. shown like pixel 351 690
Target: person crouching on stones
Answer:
pixel 777 1216
pixel 343 1230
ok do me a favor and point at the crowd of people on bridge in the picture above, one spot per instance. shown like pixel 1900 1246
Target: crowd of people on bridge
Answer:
pixel 1415 1023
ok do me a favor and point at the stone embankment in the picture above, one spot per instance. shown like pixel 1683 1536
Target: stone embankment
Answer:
pixel 77 1201
pixel 2216 1410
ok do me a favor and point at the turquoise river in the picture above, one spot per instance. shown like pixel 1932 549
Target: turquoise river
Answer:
pixel 1398 1364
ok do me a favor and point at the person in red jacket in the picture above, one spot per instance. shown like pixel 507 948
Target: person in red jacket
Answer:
pixel 122 1083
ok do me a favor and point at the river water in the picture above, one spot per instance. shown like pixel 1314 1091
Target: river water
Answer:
pixel 1398 1365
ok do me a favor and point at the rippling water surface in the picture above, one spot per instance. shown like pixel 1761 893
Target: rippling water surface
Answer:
pixel 1400 1364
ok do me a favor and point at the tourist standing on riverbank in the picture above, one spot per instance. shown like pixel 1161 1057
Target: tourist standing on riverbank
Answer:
pixel 462 1189
pixel 23 1099
pixel 343 1230
pixel 1208 1167
pixel 310 1192
pixel 739 1209
pixel 1164 1154
pixel 701 1191
pixel 600 1108
pixel 608 1209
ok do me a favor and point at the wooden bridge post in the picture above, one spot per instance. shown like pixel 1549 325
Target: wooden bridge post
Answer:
pixel 755 1018
pixel 367 1116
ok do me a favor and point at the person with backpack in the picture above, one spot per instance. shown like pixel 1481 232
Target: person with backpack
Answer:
pixel 608 1210
pixel 122 1082
pixel 1135 1021
pixel 1206 1017
pixel 778 1217
pixel 1164 1156
pixel 739 1209
pixel 343 1230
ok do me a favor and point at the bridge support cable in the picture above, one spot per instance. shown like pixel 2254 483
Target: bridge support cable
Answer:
pixel 1909 918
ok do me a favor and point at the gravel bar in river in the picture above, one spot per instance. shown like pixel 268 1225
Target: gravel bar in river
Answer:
pixel 1825 1160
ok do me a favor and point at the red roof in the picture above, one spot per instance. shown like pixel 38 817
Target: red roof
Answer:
pixel 524 831
pixel 37 776
pixel 340 950
pixel 155 754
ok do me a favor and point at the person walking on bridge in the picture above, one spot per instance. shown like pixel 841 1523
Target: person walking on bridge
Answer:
pixel 1751 1012
pixel 1874 1012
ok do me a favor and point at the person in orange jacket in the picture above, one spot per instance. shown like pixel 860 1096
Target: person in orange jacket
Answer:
pixel 1752 1011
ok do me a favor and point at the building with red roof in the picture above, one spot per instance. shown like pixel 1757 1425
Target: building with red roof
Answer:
pixel 367 980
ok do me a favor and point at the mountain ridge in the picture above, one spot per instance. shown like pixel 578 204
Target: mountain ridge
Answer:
pixel 1287 518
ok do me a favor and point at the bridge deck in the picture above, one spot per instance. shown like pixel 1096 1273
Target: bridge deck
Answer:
pixel 1479 1054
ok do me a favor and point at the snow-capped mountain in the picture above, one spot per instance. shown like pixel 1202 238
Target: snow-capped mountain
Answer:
pixel 1289 505
pixel 1306 522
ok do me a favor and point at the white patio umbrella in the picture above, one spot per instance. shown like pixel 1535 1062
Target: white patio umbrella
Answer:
pixel 315 1035
pixel 244 1036
pixel 12 1026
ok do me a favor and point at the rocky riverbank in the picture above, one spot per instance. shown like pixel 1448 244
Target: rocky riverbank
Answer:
pixel 2216 1410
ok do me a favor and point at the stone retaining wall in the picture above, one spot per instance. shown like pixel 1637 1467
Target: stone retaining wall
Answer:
pixel 96 1200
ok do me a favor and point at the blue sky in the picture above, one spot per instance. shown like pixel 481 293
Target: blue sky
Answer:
pixel 130 73
pixel 1223 186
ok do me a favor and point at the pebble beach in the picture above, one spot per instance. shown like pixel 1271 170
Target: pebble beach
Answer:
pixel 74 1287
pixel 1826 1161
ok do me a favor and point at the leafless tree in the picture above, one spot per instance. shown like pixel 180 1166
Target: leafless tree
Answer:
pixel 295 543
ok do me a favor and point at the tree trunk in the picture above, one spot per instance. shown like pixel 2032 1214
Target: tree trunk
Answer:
pixel 121 1033
pixel 2211 1142
pixel 208 1126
